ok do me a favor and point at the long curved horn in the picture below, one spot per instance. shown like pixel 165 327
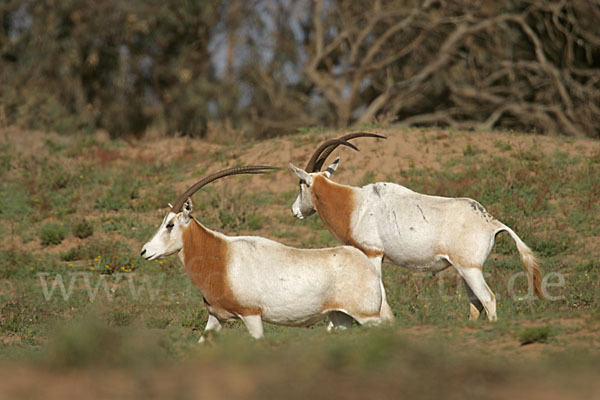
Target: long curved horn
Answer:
pixel 250 169
pixel 321 154
pixel 310 166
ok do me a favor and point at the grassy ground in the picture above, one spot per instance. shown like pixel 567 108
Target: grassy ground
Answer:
pixel 76 300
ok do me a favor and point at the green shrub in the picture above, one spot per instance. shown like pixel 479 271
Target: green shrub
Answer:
pixel 539 334
pixel 83 229
pixel 72 254
pixel 52 234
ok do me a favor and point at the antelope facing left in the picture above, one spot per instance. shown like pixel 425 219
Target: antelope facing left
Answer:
pixel 414 230
pixel 256 279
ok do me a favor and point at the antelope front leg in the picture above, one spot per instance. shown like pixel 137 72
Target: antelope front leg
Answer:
pixel 386 311
pixel 213 324
pixel 254 325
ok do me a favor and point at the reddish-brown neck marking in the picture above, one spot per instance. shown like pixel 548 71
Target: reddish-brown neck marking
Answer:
pixel 335 204
pixel 205 258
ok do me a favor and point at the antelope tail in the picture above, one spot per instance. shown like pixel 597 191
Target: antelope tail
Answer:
pixel 534 274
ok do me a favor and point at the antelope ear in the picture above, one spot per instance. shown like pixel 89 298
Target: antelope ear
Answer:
pixel 187 208
pixel 302 174
pixel 331 169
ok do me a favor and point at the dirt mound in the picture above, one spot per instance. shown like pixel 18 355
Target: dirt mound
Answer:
pixel 403 149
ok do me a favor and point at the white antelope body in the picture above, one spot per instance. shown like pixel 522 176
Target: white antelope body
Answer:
pixel 421 232
pixel 256 279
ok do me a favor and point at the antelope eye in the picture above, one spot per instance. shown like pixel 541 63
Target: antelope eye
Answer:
pixel 170 226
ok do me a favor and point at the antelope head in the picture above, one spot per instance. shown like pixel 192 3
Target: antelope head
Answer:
pixel 168 239
pixel 303 206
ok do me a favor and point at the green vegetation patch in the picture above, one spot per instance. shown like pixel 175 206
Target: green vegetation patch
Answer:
pixel 52 233
pixel 541 334
pixel 83 229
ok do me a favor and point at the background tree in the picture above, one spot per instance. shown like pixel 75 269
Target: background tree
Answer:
pixel 268 67
pixel 121 66
pixel 529 65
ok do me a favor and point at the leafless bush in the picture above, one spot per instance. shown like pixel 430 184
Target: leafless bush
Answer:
pixel 530 64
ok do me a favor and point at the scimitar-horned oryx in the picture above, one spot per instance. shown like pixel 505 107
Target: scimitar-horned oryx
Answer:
pixel 417 231
pixel 256 279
